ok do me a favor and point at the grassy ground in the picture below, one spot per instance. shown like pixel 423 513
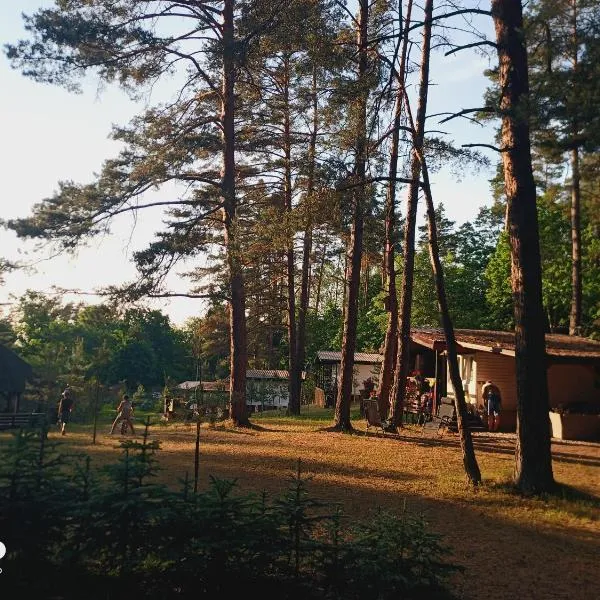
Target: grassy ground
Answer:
pixel 511 547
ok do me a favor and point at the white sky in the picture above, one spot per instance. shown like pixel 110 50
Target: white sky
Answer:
pixel 50 135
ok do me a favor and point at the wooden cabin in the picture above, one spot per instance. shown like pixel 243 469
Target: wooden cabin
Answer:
pixel 327 371
pixel 573 369
pixel 14 373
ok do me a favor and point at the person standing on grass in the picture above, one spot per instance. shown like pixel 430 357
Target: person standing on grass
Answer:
pixel 65 406
pixel 493 400
pixel 124 413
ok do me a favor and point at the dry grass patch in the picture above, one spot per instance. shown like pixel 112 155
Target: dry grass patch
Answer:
pixel 510 546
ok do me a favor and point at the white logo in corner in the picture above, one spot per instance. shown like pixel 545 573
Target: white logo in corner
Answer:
pixel 2 550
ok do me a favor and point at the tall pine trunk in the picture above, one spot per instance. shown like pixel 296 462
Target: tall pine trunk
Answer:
pixel 344 397
pixel 390 345
pixel 294 388
pixel 533 461
pixel 307 241
pixel 402 356
pixel 576 285
pixel 237 303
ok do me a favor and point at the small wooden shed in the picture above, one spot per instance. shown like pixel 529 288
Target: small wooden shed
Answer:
pixel 14 373
pixel 327 371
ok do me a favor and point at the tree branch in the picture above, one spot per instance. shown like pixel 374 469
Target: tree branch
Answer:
pixel 473 45
pixel 466 111
pixel 496 149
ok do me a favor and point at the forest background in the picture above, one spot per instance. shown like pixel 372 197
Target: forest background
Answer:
pixel 118 341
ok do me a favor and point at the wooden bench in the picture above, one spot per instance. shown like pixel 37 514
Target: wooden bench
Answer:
pixel 17 420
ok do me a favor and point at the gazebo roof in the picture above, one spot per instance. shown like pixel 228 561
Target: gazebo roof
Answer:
pixel 14 371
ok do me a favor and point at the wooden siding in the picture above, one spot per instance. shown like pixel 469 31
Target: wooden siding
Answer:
pixel 566 383
pixel 571 383
pixel 496 367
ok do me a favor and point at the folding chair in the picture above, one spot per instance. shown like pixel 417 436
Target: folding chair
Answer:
pixel 438 422
pixel 373 417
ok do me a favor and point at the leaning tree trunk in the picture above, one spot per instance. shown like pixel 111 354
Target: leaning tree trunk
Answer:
pixel 237 303
pixel 294 388
pixel 344 397
pixel 390 345
pixel 533 461
pixel 307 242
pixel 401 370
pixel 466 441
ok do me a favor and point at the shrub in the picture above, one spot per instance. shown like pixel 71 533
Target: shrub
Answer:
pixel 116 533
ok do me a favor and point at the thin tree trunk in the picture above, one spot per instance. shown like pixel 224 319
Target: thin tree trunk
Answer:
pixel 390 344
pixel 307 242
pixel 237 303
pixel 294 388
pixel 533 460
pixel 344 397
pixel 575 315
pixel 466 441
pixel 401 370
pixel 320 279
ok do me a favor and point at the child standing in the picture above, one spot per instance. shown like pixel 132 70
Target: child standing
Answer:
pixel 124 413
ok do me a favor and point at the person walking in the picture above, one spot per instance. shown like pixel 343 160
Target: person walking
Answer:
pixel 124 413
pixel 492 401
pixel 65 406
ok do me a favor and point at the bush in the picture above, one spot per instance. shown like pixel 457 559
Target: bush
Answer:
pixel 73 532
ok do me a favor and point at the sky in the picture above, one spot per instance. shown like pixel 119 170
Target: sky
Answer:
pixel 50 135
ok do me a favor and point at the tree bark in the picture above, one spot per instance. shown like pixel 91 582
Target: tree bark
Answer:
pixel 533 461
pixel 344 397
pixel 390 344
pixel 576 285
pixel 294 388
pixel 237 303
pixel 307 241
pixel 320 279
pixel 466 441
pixel 404 317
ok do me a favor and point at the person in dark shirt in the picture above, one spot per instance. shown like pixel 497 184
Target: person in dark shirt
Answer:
pixel 65 406
pixel 493 403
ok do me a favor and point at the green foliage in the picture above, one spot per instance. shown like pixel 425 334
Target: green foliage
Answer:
pixel 73 344
pixel 555 246
pixel 323 331
pixel 118 534
pixel 387 553
pixel 464 253
pixel 499 293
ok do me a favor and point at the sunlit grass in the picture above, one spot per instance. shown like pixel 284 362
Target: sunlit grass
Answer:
pixel 492 525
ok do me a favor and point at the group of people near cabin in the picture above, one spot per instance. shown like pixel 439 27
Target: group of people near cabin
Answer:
pixel 490 393
pixel 66 404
